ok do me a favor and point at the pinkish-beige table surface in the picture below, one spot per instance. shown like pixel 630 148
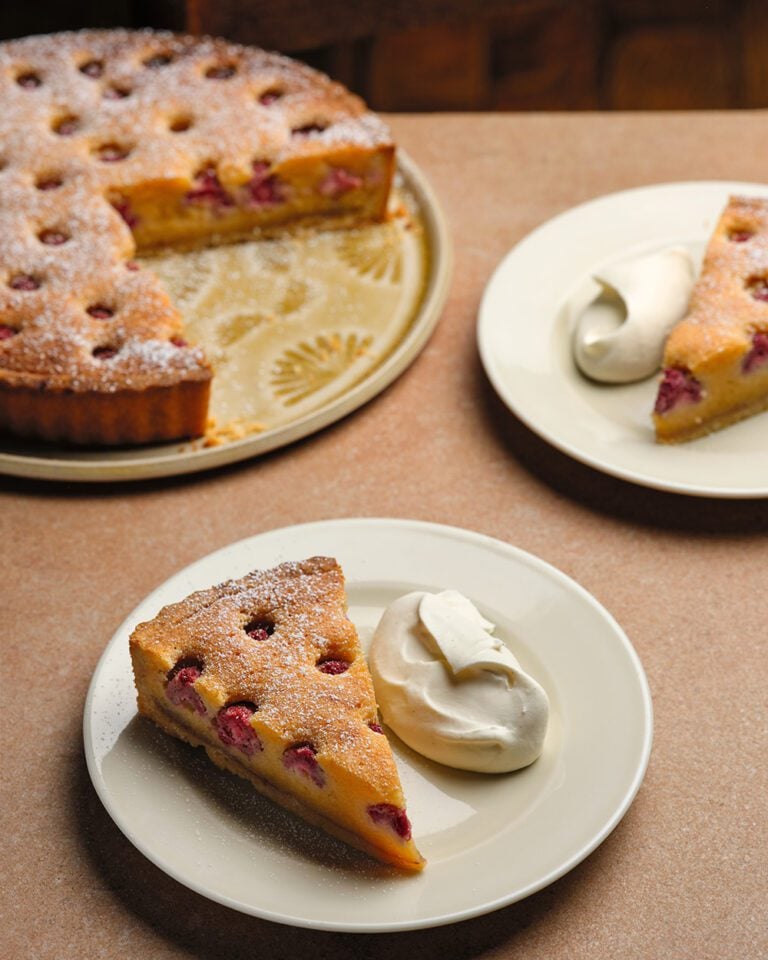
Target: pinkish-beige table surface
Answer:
pixel 684 875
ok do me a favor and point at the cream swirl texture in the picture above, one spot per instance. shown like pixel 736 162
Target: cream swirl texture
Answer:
pixel 620 336
pixel 451 690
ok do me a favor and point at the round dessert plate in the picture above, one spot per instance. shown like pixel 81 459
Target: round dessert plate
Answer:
pixel 489 840
pixel 301 331
pixel 525 327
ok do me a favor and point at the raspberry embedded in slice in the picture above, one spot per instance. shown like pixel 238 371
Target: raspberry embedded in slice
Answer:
pixel 132 265
pixel 222 72
pixel 24 281
pixel 208 190
pixel 53 238
pixel 100 311
pixel 158 60
pixel 264 189
pixel 116 93
pixel 758 355
pixel 338 182
pixel 260 629
pixel 104 353
pixel 125 210
pixel 233 725
pixel 301 758
pixel 678 386
pixel 308 129
pixel 740 236
pixel 29 81
pixel 179 342
pixel 49 183
pixel 270 96
pixel 758 288
pixel 333 667
pixel 7 332
pixel 387 814
pixel 93 69
pixel 180 688
pixel 112 153
pixel 376 727
pixel 66 126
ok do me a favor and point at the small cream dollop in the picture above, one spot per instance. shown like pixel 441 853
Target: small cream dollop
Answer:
pixel 620 335
pixel 450 690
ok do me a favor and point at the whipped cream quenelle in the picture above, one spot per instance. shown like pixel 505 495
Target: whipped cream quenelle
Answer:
pixel 652 292
pixel 450 690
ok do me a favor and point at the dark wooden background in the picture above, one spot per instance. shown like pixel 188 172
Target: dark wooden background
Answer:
pixel 479 54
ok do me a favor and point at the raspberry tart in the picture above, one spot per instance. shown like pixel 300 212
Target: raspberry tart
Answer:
pixel 266 673
pixel 716 359
pixel 114 143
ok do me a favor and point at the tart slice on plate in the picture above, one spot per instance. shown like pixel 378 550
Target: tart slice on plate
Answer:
pixel 267 674
pixel 716 359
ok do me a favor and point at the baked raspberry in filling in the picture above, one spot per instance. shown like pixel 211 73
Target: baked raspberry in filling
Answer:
pixel 125 210
pixel 387 814
pixel 758 355
pixel 264 189
pixel 180 688
pixel 301 758
pixel 234 728
pixel 333 667
pixel 260 629
pixel 338 182
pixel 24 281
pixel 678 386
pixel 209 191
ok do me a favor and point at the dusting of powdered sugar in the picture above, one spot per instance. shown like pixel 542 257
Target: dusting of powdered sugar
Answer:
pixel 71 100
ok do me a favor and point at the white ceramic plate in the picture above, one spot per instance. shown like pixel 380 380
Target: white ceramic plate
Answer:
pixel 524 336
pixel 301 332
pixel 488 840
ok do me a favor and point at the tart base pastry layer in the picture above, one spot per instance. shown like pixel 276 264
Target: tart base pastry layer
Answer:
pixel 118 142
pixel 716 358
pixel 266 673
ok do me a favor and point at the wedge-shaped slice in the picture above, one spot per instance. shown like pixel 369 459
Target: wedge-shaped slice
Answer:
pixel 267 674
pixel 716 358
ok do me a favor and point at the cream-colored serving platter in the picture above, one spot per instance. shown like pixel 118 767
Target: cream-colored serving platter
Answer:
pixel 301 330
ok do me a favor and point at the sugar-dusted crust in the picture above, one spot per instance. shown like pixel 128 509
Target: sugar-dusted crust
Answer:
pixel 189 141
pixel 296 702
pixel 713 340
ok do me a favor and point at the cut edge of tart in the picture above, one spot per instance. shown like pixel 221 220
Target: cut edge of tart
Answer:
pixel 715 366
pixel 266 673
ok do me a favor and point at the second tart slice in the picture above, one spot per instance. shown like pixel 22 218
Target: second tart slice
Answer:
pixel 716 358
pixel 267 674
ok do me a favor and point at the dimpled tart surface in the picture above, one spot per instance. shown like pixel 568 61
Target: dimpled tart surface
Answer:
pixel 114 143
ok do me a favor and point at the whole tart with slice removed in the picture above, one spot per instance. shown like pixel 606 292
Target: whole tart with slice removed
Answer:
pixel 716 359
pixel 118 142
pixel 267 674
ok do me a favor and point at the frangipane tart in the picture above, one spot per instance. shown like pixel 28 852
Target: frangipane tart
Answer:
pixel 114 143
